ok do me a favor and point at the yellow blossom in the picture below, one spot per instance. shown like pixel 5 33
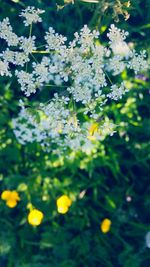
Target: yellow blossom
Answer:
pixel 62 209
pixel 105 225
pixel 35 217
pixel 63 204
pixel 92 130
pixel 11 198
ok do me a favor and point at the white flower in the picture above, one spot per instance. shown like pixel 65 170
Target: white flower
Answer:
pixel 58 69
pixel 41 71
pixel 7 34
pixel 21 58
pixel 26 127
pixel 117 43
pixel 4 69
pixel 16 58
pixel 8 55
pixel 116 65
pixel 137 62
pixel 74 143
pixel 120 48
pixel 117 92
pixel 108 128
pixel 81 93
pixel 85 39
pixel 116 35
pixel 54 40
pixel 31 15
pixel 27 44
pixel 27 82
pixel 87 146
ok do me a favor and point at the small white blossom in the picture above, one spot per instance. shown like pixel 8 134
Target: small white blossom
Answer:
pixel 116 65
pixel 137 61
pixel 31 15
pixel 80 93
pixel 108 128
pixel 7 34
pixel 21 58
pixel 8 55
pixel 117 92
pixel 120 48
pixel 75 142
pixel 41 71
pixel 27 82
pixel 85 39
pixel 116 35
pixel 16 58
pixel 26 129
pixel 54 40
pixel 58 69
pixel 27 44
pixel 4 69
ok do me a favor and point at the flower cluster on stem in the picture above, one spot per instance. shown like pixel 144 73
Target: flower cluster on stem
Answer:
pixel 78 72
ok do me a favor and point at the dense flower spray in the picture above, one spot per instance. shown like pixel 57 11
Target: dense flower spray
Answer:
pixel 78 71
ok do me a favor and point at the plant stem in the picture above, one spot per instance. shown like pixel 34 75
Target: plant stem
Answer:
pixel 40 52
pixel 30 31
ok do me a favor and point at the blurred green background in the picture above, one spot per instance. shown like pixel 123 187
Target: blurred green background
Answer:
pixel 100 183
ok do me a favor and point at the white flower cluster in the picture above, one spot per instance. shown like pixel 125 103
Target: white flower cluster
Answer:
pixel 57 125
pixel 4 69
pixel 7 33
pixel 116 65
pixel 78 74
pixel 17 58
pixel 26 128
pixel 54 40
pixel 31 15
pixel 116 35
pixel 27 44
pixel 116 40
pixel 117 92
pixel 137 61
pixel 27 81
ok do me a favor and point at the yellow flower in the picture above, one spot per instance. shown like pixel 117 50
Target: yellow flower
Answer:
pixel 35 217
pixel 11 198
pixel 105 225
pixel 92 130
pixel 62 209
pixel 63 204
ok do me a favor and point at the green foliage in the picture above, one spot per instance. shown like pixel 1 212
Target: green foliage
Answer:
pixel 98 184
